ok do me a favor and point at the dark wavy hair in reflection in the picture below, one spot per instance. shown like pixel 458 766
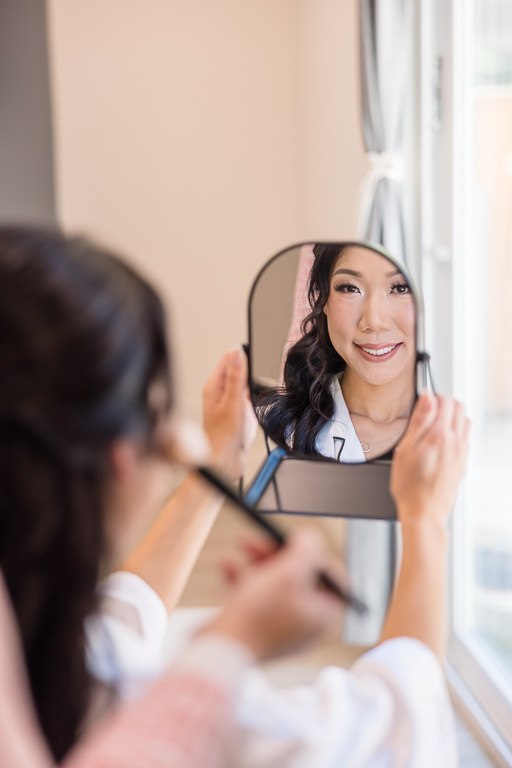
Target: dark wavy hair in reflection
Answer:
pixel 292 415
pixel 81 341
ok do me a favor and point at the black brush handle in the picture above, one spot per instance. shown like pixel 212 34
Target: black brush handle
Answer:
pixel 323 579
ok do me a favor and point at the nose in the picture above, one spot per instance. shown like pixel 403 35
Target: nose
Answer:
pixel 375 315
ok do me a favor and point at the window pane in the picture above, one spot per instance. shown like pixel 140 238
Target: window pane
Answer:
pixel 485 337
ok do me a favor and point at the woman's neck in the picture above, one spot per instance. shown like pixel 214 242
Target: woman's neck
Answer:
pixel 381 403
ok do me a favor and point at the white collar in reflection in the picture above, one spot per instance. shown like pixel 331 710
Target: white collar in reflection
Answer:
pixel 338 439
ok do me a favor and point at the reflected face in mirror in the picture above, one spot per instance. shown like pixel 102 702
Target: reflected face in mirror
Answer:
pixel 370 318
pixel 344 382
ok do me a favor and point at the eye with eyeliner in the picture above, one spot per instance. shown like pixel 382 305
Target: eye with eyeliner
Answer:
pixel 398 289
pixel 401 292
pixel 347 288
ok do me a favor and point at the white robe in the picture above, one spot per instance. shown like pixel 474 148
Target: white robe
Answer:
pixel 338 438
pixel 390 710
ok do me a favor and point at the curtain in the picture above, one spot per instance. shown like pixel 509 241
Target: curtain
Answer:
pixel 384 46
pixel 384 49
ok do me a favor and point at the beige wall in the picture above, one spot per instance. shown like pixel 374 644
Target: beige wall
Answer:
pixel 332 159
pixel 199 137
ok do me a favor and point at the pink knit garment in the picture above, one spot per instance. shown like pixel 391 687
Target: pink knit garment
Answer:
pixel 181 722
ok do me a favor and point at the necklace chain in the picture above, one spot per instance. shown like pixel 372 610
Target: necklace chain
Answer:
pixel 367 443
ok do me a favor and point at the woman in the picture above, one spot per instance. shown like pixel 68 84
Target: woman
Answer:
pixel 84 393
pixel 85 398
pixel 392 707
pixel 389 716
pixel 186 717
pixel 348 384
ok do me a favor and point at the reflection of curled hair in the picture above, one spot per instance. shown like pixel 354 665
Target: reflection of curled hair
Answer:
pixel 293 414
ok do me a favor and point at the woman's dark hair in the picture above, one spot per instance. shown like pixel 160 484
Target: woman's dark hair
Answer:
pixel 81 341
pixel 293 414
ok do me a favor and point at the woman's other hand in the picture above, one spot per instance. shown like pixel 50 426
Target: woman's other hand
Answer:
pixel 276 604
pixel 427 468
pixel 229 419
pixel 429 462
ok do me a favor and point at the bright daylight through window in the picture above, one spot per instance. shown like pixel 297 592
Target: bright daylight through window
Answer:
pixel 482 340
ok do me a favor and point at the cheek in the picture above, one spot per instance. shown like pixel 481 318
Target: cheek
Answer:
pixel 407 321
pixel 411 324
pixel 159 484
pixel 155 483
pixel 342 318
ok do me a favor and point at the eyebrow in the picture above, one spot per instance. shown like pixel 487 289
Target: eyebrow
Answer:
pixel 347 272
pixel 358 274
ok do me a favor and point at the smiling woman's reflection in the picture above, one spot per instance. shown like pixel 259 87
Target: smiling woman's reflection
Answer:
pixel 348 382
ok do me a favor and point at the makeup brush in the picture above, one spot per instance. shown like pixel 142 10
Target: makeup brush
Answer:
pixel 323 579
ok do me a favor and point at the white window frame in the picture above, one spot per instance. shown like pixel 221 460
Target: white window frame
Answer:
pixel 439 115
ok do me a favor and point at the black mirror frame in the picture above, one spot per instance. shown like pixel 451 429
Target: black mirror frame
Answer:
pixel 374 473
pixel 423 376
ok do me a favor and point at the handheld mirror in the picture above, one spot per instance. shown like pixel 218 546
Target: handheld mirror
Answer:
pixel 334 333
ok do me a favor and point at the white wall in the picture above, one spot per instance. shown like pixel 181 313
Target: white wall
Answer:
pixel 200 136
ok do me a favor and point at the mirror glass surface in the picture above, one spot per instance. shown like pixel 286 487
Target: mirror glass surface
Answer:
pixel 332 338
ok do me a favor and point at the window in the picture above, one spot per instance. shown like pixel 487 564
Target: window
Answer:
pixel 467 246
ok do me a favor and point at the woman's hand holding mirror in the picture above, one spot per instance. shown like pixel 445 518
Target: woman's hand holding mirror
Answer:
pixel 430 460
pixel 229 419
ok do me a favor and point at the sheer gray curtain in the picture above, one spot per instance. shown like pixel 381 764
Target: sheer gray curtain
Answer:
pixel 384 44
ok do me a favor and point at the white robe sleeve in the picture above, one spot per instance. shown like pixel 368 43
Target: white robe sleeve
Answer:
pixel 390 710
pixel 125 639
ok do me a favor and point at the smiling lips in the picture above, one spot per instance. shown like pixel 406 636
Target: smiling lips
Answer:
pixel 377 353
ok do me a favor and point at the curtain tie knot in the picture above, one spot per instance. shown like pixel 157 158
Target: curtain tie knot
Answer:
pixel 385 165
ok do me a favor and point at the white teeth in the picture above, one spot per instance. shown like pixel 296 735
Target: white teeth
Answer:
pixel 379 352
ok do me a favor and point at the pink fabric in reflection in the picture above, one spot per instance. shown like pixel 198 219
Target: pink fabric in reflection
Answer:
pixel 301 305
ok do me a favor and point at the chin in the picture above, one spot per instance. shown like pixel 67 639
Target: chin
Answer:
pixel 383 378
pixel 379 382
